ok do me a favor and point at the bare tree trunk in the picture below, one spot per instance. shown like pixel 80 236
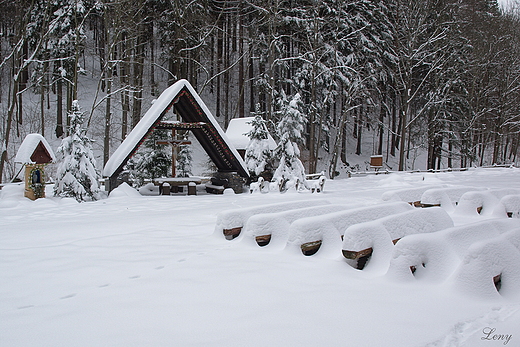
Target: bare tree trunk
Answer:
pixel 59 105
pixel 138 66
pixel 108 114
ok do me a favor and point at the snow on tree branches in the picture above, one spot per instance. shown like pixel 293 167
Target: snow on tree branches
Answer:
pixel 290 129
pixel 184 160
pixel 258 154
pixel 77 176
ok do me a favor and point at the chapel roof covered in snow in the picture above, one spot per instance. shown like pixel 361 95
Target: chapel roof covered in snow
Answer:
pixel 35 150
pixel 237 130
pixel 190 107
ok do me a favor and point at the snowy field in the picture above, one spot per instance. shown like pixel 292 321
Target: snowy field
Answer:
pixel 151 271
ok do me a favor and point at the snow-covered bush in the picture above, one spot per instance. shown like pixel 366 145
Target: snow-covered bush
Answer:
pixel 77 176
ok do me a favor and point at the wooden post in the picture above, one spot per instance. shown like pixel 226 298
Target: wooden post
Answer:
pixel 174 155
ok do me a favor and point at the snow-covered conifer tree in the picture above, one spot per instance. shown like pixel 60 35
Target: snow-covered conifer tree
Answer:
pixel 258 154
pixel 151 161
pixel 77 176
pixel 290 129
pixel 184 159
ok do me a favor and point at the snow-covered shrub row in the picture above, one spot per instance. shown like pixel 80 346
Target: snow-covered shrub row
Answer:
pixel 380 234
pixel 237 218
pixel 329 228
pixel 435 256
pixel 277 224
pixel 444 197
pixel 407 195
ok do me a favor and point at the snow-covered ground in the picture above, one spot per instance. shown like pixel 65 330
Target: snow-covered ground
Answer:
pixel 136 270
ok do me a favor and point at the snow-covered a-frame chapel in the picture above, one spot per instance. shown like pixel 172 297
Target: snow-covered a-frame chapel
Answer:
pixel 196 117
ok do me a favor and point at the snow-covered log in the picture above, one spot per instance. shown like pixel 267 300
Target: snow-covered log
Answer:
pixel 435 256
pixel 444 197
pixel 409 195
pixel 273 228
pixel 490 268
pixel 374 240
pixel 231 222
pixel 324 232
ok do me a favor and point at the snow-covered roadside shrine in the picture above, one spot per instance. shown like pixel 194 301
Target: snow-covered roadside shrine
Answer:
pixel 33 155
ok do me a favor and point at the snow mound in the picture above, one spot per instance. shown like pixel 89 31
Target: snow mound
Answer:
pixel 490 268
pixel 237 218
pixel 435 256
pixel 409 195
pixel 124 190
pixel 278 224
pixel 11 194
pixel 149 189
pixel 380 235
pixel 329 228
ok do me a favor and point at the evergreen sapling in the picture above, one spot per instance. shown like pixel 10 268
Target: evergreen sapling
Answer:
pixel 290 129
pixel 77 176
pixel 258 154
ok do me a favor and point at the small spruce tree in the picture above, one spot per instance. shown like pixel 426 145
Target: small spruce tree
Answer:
pixel 258 154
pixel 290 130
pixel 77 176
pixel 152 160
pixel 184 159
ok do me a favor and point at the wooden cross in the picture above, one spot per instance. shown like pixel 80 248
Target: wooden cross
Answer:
pixel 174 143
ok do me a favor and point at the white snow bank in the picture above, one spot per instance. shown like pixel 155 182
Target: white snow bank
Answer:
pixel 490 268
pixel 381 233
pixel 407 195
pixel 435 256
pixel 329 228
pixel 11 194
pixel 124 190
pixel 237 218
pixel 278 224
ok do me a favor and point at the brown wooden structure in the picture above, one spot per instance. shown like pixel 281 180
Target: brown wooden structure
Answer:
pixel 195 116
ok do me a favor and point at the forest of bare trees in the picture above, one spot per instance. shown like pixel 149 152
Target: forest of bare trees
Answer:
pixel 437 76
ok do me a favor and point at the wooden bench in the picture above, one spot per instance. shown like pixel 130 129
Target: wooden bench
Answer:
pixel 361 256
pixel 176 184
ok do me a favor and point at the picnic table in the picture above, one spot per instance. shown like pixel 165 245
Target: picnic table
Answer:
pixel 176 184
